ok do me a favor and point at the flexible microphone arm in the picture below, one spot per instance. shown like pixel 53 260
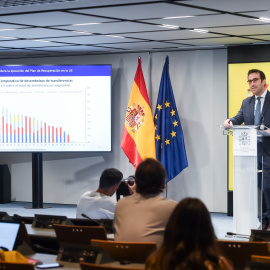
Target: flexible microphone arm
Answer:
pixel 98 223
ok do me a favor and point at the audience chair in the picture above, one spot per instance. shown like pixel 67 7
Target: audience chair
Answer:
pixel 126 251
pixel 91 266
pixel 239 252
pixel 257 258
pixel 16 266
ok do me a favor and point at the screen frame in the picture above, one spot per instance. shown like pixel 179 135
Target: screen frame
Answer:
pixel 111 109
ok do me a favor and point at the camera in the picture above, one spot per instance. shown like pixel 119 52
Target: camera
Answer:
pixel 130 180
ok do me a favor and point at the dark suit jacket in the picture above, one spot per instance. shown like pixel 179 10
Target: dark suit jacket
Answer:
pixel 246 115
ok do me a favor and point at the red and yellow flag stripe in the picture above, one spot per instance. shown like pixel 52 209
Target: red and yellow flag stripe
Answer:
pixel 138 139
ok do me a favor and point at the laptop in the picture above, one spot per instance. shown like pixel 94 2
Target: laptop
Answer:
pixel 8 235
pixel 239 252
pixel 14 236
pixel 75 242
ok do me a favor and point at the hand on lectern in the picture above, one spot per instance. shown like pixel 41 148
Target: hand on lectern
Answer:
pixel 227 123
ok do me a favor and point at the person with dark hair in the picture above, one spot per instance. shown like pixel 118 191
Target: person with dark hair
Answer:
pixel 99 204
pixel 189 241
pixel 255 110
pixel 142 217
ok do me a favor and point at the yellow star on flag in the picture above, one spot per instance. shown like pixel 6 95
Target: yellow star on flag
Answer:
pixel 175 123
pixel 167 141
pixel 159 107
pixel 173 134
pixel 158 137
pixel 167 104
pixel 172 112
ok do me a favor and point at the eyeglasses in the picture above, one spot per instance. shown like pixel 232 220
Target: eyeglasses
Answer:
pixel 254 80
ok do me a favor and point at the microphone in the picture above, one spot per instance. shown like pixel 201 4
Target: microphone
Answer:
pixel 98 223
pixel 41 248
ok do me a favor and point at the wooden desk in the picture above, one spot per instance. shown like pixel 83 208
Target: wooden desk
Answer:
pixel 39 231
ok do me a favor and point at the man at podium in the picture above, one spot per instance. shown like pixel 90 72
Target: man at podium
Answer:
pixel 255 110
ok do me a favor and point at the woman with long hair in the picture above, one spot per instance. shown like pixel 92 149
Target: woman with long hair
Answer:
pixel 189 241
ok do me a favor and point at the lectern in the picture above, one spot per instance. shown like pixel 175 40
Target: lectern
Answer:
pixel 247 191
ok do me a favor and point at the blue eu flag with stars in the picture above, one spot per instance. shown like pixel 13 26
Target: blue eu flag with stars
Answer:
pixel 169 138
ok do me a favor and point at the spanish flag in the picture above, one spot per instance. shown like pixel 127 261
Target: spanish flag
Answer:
pixel 138 139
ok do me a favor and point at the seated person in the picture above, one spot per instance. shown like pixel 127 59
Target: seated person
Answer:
pixel 142 217
pixel 99 204
pixel 189 241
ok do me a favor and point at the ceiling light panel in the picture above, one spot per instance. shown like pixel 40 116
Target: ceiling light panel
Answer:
pixel 244 30
pixel 26 44
pixel 146 11
pixel 215 41
pixel 37 33
pixel 232 5
pixel 98 39
pixel 143 45
pixel 51 18
pixel 173 34
pixel 114 27
pixel 207 21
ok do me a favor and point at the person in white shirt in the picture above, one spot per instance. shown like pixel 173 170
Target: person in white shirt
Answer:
pixel 99 204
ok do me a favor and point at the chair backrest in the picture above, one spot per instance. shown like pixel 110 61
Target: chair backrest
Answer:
pixel 79 234
pixel 16 266
pixel 91 266
pixel 126 251
pixel 257 258
pixel 74 242
pixel 239 252
pixel 47 221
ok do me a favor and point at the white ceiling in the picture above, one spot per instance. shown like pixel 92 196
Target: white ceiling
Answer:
pixel 36 28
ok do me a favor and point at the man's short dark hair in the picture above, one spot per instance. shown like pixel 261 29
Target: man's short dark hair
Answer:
pixel 262 75
pixel 150 177
pixel 109 178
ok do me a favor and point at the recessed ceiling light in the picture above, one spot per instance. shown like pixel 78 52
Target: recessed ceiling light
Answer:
pixel 40 40
pixel 84 24
pixel 7 29
pixel 114 36
pixel 8 37
pixel 169 26
pixel 262 19
pixel 177 17
pixel 199 30
pixel 82 32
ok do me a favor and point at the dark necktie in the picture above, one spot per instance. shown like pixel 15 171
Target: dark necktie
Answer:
pixel 257 115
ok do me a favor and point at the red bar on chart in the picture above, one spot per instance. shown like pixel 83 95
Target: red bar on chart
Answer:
pixel 25 120
pixel 29 129
pixel 45 132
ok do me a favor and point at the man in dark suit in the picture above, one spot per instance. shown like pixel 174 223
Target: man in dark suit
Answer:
pixel 248 114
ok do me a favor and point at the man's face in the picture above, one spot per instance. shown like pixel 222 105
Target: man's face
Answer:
pixel 256 85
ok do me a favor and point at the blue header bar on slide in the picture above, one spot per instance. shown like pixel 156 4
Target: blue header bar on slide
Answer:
pixel 36 71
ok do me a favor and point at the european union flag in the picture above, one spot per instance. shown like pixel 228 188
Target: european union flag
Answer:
pixel 170 146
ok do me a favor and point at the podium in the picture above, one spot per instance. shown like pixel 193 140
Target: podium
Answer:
pixel 247 190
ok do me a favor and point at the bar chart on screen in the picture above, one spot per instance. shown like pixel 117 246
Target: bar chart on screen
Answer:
pixel 48 113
